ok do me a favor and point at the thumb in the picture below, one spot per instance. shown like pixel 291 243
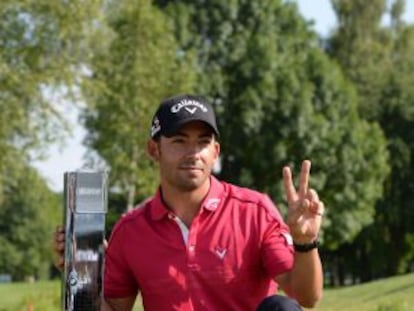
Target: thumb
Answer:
pixel 105 244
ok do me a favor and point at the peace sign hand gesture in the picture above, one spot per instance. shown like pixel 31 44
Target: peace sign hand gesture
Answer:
pixel 305 210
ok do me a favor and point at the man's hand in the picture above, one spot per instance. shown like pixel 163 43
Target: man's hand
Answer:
pixel 305 209
pixel 305 281
pixel 59 247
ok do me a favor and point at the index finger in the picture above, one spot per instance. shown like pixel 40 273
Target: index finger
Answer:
pixel 304 178
pixel 288 183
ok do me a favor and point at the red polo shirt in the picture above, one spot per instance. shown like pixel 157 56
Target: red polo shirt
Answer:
pixel 226 260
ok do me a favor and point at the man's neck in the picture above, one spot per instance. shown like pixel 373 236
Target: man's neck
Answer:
pixel 185 204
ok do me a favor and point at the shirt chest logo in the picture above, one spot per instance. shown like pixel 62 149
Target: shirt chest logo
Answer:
pixel 220 252
pixel 212 203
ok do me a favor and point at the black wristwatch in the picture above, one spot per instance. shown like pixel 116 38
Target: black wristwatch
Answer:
pixel 304 248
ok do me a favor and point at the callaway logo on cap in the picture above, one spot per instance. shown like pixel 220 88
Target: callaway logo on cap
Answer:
pixel 177 111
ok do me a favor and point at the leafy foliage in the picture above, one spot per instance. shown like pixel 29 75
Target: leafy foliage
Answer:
pixel 28 216
pixel 142 65
pixel 43 44
pixel 42 47
pixel 381 66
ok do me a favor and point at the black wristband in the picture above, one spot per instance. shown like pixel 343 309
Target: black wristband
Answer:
pixel 304 248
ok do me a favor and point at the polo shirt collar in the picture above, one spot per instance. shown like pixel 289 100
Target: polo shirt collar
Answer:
pixel 210 203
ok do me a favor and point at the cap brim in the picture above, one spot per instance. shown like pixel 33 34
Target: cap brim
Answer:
pixel 178 125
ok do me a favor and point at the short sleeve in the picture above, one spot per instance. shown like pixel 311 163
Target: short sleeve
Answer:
pixel 277 246
pixel 119 279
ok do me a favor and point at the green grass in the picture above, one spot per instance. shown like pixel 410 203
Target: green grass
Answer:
pixel 392 294
pixel 17 296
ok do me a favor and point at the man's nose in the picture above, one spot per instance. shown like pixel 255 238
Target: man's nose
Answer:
pixel 193 150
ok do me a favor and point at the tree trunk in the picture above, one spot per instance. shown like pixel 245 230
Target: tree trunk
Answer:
pixel 130 197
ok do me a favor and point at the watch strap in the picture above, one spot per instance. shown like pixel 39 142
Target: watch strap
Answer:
pixel 304 248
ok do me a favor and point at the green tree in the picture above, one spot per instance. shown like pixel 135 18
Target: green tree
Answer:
pixel 43 45
pixel 362 46
pixel 141 65
pixel 280 100
pixel 28 215
pixel 378 59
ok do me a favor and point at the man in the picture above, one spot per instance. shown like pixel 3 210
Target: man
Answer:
pixel 202 244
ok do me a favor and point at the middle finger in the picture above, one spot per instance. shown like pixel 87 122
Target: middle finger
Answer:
pixel 304 178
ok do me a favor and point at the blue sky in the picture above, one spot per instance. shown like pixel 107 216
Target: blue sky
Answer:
pixel 69 158
pixel 320 11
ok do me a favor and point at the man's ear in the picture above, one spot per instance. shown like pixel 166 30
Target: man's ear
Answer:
pixel 153 150
pixel 217 149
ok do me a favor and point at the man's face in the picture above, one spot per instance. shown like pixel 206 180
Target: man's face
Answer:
pixel 187 158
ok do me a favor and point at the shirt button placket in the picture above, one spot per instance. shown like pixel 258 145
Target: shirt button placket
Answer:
pixel 191 247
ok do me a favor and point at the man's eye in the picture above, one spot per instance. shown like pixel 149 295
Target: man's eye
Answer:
pixel 178 140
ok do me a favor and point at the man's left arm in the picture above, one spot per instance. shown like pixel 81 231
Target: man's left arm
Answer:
pixel 305 281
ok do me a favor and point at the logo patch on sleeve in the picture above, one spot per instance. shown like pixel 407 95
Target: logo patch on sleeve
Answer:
pixel 288 238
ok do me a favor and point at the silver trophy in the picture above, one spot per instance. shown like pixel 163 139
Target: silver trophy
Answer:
pixel 84 218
